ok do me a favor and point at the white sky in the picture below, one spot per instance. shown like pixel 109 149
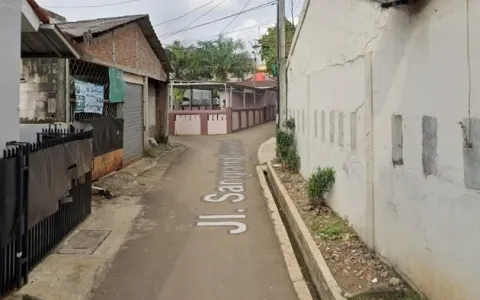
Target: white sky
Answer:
pixel 247 26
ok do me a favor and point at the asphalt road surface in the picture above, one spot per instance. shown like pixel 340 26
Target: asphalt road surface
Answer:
pixel 205 232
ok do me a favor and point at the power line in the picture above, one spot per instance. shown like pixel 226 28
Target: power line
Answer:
pixel 186 14
pixel 93 6
pixel 245 6
pixel 299 2
pixel 185 27
pixel 221 19
pixel 250 28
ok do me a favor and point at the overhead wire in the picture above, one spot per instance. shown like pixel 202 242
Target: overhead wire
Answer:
pixel 220 19
pixel 299 2
pixel 191 23
pixel 93 6
pixel 247 29
pixel 186 14
pixel 250 28
pixel 230 23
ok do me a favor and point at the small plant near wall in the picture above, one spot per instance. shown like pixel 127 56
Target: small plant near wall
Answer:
pixel 285 141
pixel 290 124
pixel 319 184
pixel 292 161
pixel 286 148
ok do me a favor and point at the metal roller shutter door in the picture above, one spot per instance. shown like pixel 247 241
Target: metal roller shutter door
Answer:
pixel 133 118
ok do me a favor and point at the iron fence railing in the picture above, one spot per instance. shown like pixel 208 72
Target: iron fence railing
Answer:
pixel 24 245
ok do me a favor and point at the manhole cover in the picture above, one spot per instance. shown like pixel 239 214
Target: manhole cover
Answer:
pixel 85 242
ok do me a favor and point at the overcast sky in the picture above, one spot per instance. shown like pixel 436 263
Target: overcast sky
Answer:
pixel 245 27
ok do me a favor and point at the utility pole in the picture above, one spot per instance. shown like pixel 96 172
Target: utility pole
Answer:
pixel 292 10
pixel 255 47
pixel 282 70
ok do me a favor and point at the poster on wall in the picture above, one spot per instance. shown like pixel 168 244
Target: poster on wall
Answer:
pixel 117 85
pixel 88 97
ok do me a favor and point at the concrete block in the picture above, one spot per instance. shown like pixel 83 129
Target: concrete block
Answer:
pixel 51 105
pixel 397 140
pixel 332 127
pixel 323 125
pixel 303 121
pixel 353 130
pixel 429 145
pixel 340 129
pixel 471 155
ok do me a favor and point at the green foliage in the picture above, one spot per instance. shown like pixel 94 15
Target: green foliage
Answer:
pixel 289 124
pixel 292 161
pixel 332 231
pixel 210 59
pixel 286 148
pixel 178 95
pixel 285 141
pixel 320 183
pixel 268 45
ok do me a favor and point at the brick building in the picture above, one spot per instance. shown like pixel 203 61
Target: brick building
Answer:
pixel 126 43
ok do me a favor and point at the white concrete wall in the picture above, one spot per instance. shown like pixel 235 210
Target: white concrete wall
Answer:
pixel 426 226
pixel 152 111
pixel 10 30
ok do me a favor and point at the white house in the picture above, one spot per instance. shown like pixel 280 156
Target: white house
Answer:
pixel 390 97
pixel 25 32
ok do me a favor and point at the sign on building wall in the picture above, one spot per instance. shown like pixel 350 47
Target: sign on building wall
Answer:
pixel 88 97
pixel 117 85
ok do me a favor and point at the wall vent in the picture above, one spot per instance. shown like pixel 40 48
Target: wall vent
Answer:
pixel 392 3
pixel 413 6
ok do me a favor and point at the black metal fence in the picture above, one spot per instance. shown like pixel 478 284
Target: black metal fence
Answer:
pixel 23 243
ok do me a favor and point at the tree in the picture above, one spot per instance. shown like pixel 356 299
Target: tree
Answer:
pixel 208 60
pixel 178 57
pixel 268 44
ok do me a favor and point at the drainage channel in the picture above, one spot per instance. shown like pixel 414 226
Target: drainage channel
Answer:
pixel 296 249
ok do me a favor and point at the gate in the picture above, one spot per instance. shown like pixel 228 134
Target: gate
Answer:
pixel 23 242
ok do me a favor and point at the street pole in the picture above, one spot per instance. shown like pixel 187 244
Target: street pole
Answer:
pixel 293 14
pixel 282 71
pixel 277 64
pixel 255 47
pixel 255 82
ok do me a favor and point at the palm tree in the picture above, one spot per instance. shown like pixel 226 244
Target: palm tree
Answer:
pixel 210 59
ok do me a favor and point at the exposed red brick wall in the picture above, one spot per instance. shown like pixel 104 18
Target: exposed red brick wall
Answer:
pixel 101 47
pixel 126 46
pixel 147 60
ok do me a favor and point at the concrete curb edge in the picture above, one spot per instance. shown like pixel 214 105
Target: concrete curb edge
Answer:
pixel 293 267
pixel 321 276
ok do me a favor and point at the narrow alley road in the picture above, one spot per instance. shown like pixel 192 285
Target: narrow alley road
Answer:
pixel 193 244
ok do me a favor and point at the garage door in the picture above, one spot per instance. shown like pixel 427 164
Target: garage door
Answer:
pixel 133 118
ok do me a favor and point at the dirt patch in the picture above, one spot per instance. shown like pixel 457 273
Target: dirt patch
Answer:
pixel 358 271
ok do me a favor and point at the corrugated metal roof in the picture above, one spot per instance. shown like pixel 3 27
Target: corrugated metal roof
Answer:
pixel 96 26
pixel 48 41
pixel 100 26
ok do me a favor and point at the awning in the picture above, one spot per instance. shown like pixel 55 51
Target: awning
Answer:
pixel 48 41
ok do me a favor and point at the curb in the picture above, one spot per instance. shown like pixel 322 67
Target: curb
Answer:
pixel 321 276
pixel 266 151
pixel 293 267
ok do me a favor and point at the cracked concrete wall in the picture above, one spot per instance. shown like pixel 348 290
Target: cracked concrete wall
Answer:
pixel 426 226
pixel 42 90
